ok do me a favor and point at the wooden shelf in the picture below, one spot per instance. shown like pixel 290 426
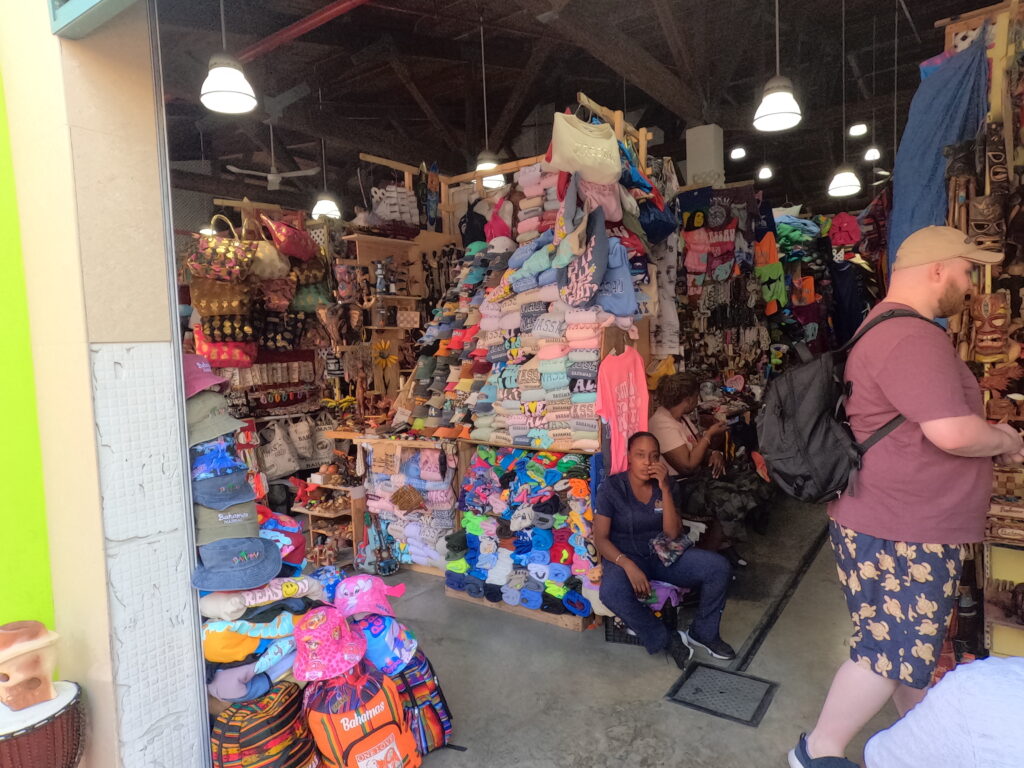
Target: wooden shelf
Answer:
pixel 387 328
pixel 361 238
pixel 315 513
pixel 424 569
pixel 346 488
pixel 330 533
pixel 552 449
pixel 565 620
pixel 341 434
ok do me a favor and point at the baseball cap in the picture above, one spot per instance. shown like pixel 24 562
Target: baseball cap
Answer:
pixel 208 417
pixel 199 376
pixel 238 521
pixel 932 244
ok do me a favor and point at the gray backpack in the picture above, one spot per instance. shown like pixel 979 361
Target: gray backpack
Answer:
pixel 803 433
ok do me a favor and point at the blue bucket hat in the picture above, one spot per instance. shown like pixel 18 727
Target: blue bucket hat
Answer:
pixel 222 492
pixel 236 564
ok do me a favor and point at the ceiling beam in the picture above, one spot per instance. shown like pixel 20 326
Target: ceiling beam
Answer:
pixel 445 131
pixel 627 57
pixel 673 36
pixel 297 29
pixel 527 82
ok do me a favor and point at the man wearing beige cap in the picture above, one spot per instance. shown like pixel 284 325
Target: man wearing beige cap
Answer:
pixel 921 494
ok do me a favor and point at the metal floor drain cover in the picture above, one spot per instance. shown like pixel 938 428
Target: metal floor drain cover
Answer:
pixel 720 692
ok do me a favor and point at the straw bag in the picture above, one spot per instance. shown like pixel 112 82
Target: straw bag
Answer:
pixel 591 150
pixel 215 297
pixel 291 241
pixel 226 354
pixel 277 455
pixel 221 258
pixel 267 263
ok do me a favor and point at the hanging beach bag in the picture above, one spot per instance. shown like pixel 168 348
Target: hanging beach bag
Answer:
pixel 309 297
pixel 224 354
pixel 323 445
pixel 358 721
pixel 236 328
pixel 591 150
pixel 282 330
pixel 291 241
pixel 215 297
pixel 221 258
pixel 277 455
pixel 277 294
pixel 267 263
pixel 657 219
pixel 300 432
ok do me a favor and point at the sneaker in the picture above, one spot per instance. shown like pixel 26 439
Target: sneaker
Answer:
pixel 799 758
pixel 717 647
pixel 680 652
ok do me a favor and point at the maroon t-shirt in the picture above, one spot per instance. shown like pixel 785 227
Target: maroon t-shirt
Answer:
pixel 909 490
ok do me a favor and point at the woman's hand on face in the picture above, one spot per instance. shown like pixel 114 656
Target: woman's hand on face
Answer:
pixel 660 473
pixel 641 587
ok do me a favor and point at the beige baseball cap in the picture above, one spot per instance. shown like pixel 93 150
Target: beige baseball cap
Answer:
pixel 932 244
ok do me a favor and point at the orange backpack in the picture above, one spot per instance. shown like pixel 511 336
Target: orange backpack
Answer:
pixel 358 721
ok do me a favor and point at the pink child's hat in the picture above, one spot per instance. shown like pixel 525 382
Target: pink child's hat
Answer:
pixel 365 594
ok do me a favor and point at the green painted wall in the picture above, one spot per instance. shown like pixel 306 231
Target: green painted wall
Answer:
pixel 24 552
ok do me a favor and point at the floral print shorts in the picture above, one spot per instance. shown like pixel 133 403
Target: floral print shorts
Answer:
pixel 900 596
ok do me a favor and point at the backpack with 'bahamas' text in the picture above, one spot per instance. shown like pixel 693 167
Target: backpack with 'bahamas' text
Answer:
pixel 807 444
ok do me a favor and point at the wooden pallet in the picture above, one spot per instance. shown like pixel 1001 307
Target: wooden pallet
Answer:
pixel 565 621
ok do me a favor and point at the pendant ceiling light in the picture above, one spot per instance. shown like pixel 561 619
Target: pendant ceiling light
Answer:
pixel 326 203
pixel 487 160
pixel 859 129
pixel 225 88
pixel 873 154
pixel 737 153
pixel 765 172
pixel 779 109
pixel 845 182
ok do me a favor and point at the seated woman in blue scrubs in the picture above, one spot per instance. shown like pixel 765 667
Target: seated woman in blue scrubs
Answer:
pixel 634 507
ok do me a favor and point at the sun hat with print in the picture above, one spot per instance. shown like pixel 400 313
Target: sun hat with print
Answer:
pixel 223 492
pixel 208 417
pixel 365 594
pixel 239 521
pixel 199 376
pixel 236 564
pixel 325 645
pixel 931 244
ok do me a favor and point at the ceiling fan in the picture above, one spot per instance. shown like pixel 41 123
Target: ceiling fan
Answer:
pixel 273 176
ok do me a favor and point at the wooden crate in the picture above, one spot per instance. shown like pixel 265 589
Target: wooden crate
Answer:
pixel 565 621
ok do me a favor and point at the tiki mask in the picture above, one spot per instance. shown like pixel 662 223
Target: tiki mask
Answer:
pixel 27 657
pixel 990 314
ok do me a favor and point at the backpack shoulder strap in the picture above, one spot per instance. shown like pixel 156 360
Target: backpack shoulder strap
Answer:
pixel 887 315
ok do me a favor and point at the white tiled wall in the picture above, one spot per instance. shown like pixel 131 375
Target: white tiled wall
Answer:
pixel 149 556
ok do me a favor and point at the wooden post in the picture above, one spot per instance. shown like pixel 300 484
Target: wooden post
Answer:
pixel 619 124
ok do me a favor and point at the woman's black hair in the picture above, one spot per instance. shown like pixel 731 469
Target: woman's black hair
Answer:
pixel 672 390
pixel 637 435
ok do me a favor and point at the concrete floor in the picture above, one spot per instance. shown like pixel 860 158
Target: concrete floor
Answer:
pixel 530 695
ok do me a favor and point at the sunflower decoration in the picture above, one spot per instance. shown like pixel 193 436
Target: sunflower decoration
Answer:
pixel 383 357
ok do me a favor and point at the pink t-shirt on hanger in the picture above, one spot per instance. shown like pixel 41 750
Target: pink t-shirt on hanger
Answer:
pixel 622 401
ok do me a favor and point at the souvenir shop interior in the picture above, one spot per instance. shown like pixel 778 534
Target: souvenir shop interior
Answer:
pixel 438 261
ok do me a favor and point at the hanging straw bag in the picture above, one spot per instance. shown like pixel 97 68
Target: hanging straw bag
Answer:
pixel 267 263
pixel 228 259
pixel 291 241
pixel 591 150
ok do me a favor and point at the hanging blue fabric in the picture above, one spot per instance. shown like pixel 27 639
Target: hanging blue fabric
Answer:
pixel 949 107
